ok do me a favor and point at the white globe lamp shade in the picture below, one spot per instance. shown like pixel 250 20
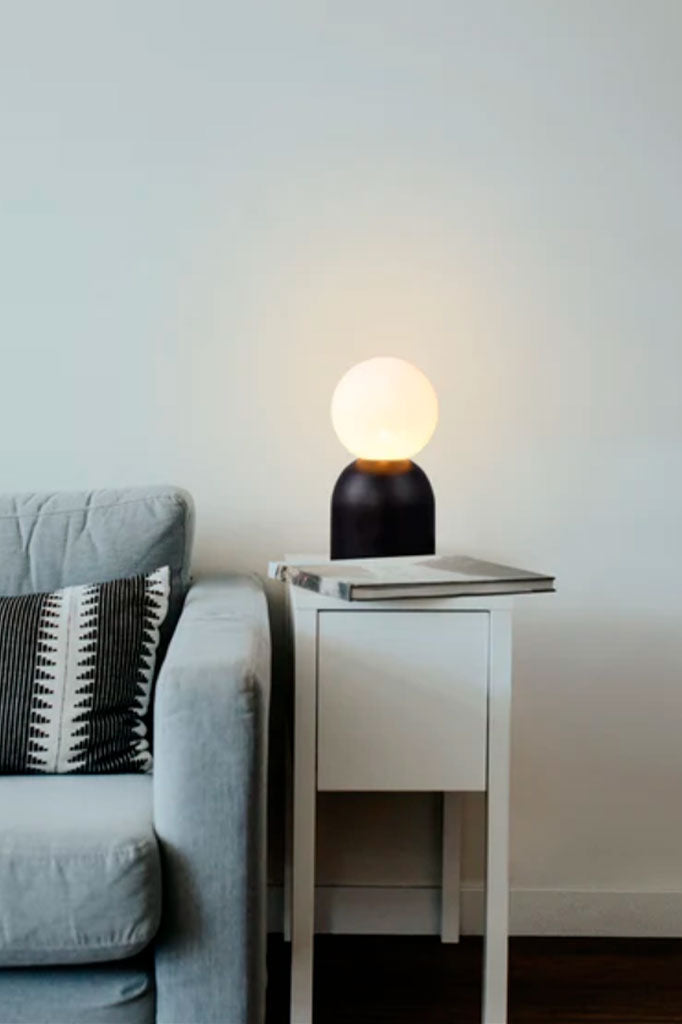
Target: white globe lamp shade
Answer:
pixel 384 409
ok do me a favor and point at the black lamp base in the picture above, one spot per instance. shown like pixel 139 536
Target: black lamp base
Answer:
pixel 381 509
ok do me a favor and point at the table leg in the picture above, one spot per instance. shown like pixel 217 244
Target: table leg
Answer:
pixel 451 871
pixel 495 967
pixel 288 837
pixel 305 788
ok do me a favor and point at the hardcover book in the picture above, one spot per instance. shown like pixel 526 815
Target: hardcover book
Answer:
pixel 381 579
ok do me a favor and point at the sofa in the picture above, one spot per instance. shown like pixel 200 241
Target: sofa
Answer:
pixel 140 898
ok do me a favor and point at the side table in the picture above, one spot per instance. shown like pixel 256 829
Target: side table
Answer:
pixel 409 694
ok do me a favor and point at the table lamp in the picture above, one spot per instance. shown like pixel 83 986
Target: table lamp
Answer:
pixel 384 411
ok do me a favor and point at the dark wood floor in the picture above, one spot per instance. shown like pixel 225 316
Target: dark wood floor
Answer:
pixel 396 980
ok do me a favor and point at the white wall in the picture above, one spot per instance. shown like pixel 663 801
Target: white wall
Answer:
pixel 210 210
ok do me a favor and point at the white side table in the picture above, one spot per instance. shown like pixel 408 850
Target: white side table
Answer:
pixel 403 695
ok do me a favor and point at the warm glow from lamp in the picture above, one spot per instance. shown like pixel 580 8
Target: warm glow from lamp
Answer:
pixel 384 409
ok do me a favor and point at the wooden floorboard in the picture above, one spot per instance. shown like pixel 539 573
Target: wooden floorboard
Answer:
pixel 408 980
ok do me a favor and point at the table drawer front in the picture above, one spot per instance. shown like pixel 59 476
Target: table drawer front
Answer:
pixel 402 700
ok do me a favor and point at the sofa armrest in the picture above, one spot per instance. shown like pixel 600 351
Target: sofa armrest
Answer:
pixel 210 737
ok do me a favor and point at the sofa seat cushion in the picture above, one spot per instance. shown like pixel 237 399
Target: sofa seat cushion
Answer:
pixel 113 993
pixel 80 877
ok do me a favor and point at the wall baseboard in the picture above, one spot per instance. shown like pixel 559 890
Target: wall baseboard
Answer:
pixel 411 910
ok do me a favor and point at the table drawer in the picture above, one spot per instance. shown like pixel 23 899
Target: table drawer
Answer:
pixel 402 700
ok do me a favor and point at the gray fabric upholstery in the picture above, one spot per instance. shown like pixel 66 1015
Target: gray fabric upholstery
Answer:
pixel 101 994
pixel 209 786
pixel 80 879
pixel 54 540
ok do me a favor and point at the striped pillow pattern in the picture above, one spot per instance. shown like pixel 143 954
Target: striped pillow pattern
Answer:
pixel 76 671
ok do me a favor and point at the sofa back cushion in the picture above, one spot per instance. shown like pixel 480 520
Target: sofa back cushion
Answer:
pixel 62 539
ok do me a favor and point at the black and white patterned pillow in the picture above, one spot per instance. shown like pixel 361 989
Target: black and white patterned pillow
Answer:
pixel 76 671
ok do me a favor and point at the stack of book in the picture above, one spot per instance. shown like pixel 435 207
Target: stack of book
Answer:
pixel 382 579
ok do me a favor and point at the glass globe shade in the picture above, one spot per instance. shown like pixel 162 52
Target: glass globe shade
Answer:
pixel 384 409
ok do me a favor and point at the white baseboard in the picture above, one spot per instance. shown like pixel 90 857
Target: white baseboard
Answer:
pixel 405 910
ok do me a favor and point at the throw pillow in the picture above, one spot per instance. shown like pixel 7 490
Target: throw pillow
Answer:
pixel 76 671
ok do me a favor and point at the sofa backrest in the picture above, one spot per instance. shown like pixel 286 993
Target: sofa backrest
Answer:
pixel 59 539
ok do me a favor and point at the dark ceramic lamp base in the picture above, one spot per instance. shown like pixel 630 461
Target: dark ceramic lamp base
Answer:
pixel 382 509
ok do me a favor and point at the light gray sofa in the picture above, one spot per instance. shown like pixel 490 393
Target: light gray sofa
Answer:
pixel 133 899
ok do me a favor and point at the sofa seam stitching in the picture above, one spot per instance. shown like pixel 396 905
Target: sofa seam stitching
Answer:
pixel 168 498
